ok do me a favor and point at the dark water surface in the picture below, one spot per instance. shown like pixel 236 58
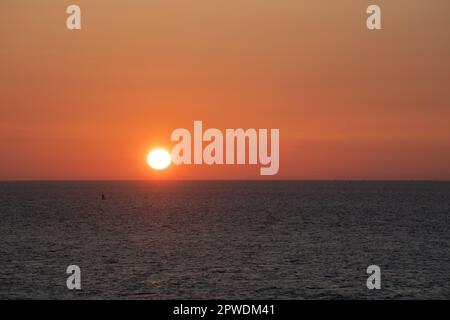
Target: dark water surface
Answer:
pixel 194 240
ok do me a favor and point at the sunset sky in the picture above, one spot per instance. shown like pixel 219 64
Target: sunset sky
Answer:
pixel 350 103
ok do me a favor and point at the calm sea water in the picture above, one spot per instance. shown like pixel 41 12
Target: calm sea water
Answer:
pixel 233 240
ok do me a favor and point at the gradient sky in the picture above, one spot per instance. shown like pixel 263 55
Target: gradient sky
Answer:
pixel 350 103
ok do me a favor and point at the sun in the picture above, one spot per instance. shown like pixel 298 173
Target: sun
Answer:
pixel 158 159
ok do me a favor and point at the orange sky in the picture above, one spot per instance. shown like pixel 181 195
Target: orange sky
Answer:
pixel 350 103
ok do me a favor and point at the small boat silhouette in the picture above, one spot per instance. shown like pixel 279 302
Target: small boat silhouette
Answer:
pixel 103 196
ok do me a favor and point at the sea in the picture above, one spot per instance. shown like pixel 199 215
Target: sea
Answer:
pixel 225 239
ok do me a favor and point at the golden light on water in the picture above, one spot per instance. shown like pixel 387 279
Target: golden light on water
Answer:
pixel 159 159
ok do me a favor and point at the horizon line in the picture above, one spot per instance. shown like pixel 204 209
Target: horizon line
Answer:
pixel 224 180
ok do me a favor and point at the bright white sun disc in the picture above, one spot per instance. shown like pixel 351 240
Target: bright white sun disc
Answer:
pixel 159 159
